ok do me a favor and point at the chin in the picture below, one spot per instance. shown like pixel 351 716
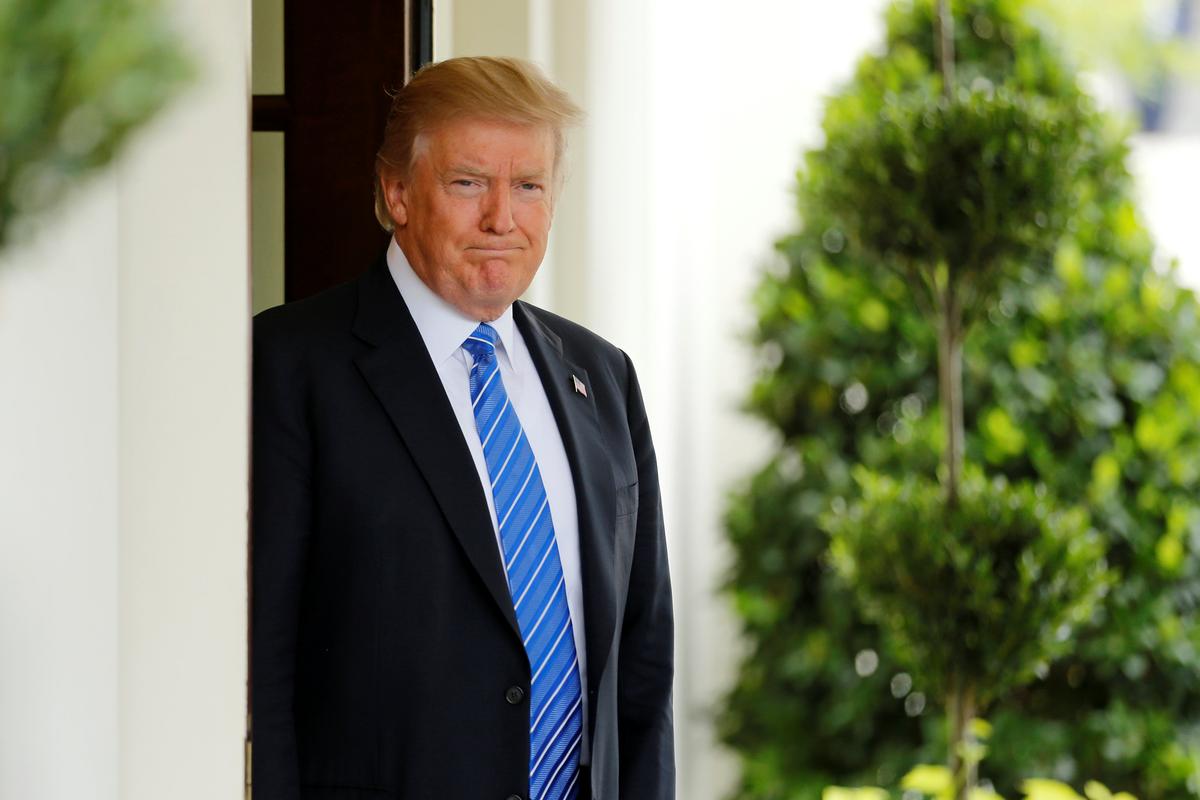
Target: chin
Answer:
pixel 486 305
pixel 497 271
pixel 501 291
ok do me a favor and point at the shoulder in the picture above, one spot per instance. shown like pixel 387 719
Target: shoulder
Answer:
pixel 577 342
pixel 324 316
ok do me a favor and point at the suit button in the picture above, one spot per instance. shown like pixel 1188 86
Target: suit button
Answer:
pixel 514 695
pixel 513 797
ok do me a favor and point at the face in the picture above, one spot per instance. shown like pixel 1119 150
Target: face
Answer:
pixel 474 213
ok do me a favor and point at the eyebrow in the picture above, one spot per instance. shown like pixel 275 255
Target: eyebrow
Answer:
pixel 476 172
pixel 463 169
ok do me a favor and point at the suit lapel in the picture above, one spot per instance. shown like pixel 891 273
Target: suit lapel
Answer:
pixel 592 476
pixel 404 379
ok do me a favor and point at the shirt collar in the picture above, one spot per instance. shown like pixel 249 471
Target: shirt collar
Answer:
pixel 442 326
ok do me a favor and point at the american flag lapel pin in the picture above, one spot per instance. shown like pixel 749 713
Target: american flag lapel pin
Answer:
pixel 578 384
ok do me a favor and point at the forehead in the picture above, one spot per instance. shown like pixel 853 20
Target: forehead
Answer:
pixel 486 142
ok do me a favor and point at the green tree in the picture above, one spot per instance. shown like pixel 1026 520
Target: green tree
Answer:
pixel 950 186
pixel 1085 378
pixel 77 77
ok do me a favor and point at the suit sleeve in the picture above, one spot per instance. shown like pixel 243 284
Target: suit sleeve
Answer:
pixel 646 660
pixel 280 523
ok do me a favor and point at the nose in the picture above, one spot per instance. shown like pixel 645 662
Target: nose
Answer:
pixel 496 214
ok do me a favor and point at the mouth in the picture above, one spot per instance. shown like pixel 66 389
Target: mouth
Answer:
pixel 494 252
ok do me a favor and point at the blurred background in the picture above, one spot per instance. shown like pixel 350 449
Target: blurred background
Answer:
pixel 136 252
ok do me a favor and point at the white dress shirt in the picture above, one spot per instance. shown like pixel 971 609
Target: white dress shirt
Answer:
pixel 444 328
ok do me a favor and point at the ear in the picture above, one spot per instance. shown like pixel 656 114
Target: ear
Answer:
pixel 395 194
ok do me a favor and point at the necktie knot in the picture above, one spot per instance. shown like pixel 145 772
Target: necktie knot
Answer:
pixel 481 344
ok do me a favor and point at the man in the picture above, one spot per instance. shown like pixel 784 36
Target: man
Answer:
pixel 460 573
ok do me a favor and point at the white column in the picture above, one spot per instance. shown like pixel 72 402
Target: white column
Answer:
pixel 58 505
pixel 183 422
pixel 123 460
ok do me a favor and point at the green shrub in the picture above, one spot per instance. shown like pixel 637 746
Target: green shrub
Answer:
pixel 1083 375
pixel 982 594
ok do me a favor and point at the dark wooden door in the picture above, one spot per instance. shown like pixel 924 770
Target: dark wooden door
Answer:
pixel 340 62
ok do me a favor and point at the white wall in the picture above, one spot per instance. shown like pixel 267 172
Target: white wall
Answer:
pixel 123 467
pixel 58 507
pixel 734 100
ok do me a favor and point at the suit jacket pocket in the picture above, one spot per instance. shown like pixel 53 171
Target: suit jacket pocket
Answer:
pixel 627 500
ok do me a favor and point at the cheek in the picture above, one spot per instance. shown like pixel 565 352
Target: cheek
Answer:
pixel 450 223
pixel 536 223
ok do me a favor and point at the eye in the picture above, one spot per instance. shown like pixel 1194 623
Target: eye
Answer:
pixel 465 187
pixel 529 186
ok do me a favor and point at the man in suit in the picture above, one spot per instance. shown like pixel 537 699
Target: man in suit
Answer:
pixel 460 585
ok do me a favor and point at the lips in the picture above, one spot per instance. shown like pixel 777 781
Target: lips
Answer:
pixel 494 252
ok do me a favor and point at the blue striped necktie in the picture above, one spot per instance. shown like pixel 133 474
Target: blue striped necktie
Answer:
pixel 535 578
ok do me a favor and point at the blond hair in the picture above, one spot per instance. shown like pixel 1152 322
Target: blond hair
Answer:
pixel 485 87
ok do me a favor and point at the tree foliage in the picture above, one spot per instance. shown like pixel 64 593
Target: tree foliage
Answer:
pixel 1083 375
pixel 969 185
pixel 985 592
pixel 77 77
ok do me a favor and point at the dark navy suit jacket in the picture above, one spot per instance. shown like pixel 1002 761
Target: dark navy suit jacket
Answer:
pixel 384 642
